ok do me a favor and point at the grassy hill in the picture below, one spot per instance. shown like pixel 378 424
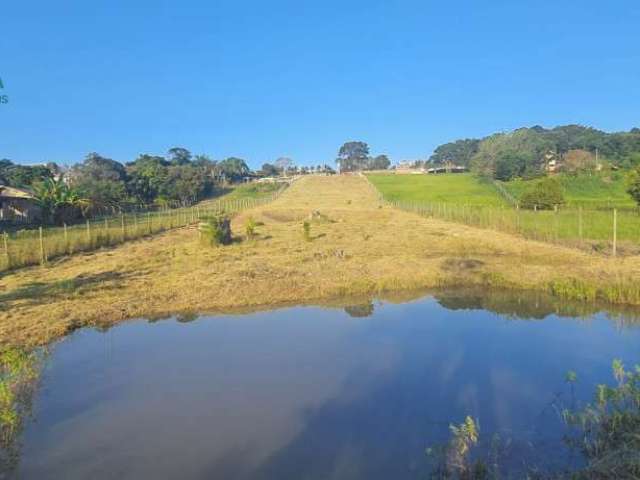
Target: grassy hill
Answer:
pixel 590 191
pixel 458 188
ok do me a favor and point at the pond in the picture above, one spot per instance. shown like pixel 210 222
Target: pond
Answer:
pixel 317 392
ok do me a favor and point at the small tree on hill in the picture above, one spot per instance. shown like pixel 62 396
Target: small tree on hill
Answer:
pixel 544 195
pixel 633 184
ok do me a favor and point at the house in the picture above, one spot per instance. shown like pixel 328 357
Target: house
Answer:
pixel 17 205
pixel 551 161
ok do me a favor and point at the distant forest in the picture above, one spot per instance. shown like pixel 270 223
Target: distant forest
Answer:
pixel 525 152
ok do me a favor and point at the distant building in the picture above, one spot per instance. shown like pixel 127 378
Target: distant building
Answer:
pixel 447 168
pixel 551 161
pixel 17 205
pixel 409 168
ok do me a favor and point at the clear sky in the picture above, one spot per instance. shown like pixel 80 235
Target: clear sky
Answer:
pixel 262 79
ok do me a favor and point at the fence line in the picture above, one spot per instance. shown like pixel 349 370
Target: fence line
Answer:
pixel 505 194
pixel 600 230
pixel 31 247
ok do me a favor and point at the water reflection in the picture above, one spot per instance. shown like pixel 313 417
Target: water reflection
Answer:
pixel 19 375
pixel 363 310
pixel 314 392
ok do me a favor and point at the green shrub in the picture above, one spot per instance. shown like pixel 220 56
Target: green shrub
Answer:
pixel 250 228
pixel 544 195
pixel 633 184
pixel 216 230
pixel 306 228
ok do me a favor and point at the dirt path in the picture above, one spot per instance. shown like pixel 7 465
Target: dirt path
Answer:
pixel 358 246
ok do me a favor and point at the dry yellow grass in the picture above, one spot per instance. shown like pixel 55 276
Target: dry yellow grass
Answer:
pixel 358 247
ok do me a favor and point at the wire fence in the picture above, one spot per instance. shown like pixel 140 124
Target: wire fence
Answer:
pixel 32 247
pixel 607 231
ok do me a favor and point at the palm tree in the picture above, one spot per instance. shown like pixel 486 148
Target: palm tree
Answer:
pixel 57 200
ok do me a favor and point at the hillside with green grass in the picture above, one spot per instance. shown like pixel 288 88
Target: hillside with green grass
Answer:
pixel 455 188
pixel 591 191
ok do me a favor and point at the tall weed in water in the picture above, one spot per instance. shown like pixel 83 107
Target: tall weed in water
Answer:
pixel 607 432
pixel 453 460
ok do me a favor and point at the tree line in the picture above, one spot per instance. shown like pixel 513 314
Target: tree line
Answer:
pixel 99 184
pixel 525 152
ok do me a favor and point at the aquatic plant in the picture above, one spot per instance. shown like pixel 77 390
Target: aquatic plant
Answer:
pixel 607 432
pixel 454 459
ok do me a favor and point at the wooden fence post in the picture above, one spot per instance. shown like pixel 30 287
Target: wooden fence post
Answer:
pixel 555 222
pixel 42 257
pixel 615 232
pixel 580 222
pixel 124 232
pixel 5 237
pixel 66 238
pixel 88 233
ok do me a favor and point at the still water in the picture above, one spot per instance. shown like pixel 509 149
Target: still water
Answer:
pixel 315 393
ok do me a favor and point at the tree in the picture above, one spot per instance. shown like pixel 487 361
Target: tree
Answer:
pixel 58 202
pixel 179 156
pixel 353 156
pixel 459 152
pixel 633 184
pixel 284 163
pixel 184 184
pixel 147 177
pixel 15 175
pixel 380 162
pixel 234 169
pixel 545 194
pixel 101 180
pixel 578 160
pixel 269 170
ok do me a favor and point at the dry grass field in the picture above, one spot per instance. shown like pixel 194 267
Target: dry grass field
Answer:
pixel 357 247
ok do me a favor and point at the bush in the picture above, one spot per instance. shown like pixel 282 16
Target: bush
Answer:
pixel 306 228
pixel 216 230
pixel 633 184
pixel 544 195
pixel 250 228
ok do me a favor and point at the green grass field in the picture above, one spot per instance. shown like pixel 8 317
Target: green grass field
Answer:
pixel 465 199
pixel 457 188
pixel 589 191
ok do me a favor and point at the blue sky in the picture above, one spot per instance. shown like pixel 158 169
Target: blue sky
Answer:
pixel 298 78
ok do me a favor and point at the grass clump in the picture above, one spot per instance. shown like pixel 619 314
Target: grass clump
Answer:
pixel 250 228
pixel 216 230
pixel 573 289
pixel 306 230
